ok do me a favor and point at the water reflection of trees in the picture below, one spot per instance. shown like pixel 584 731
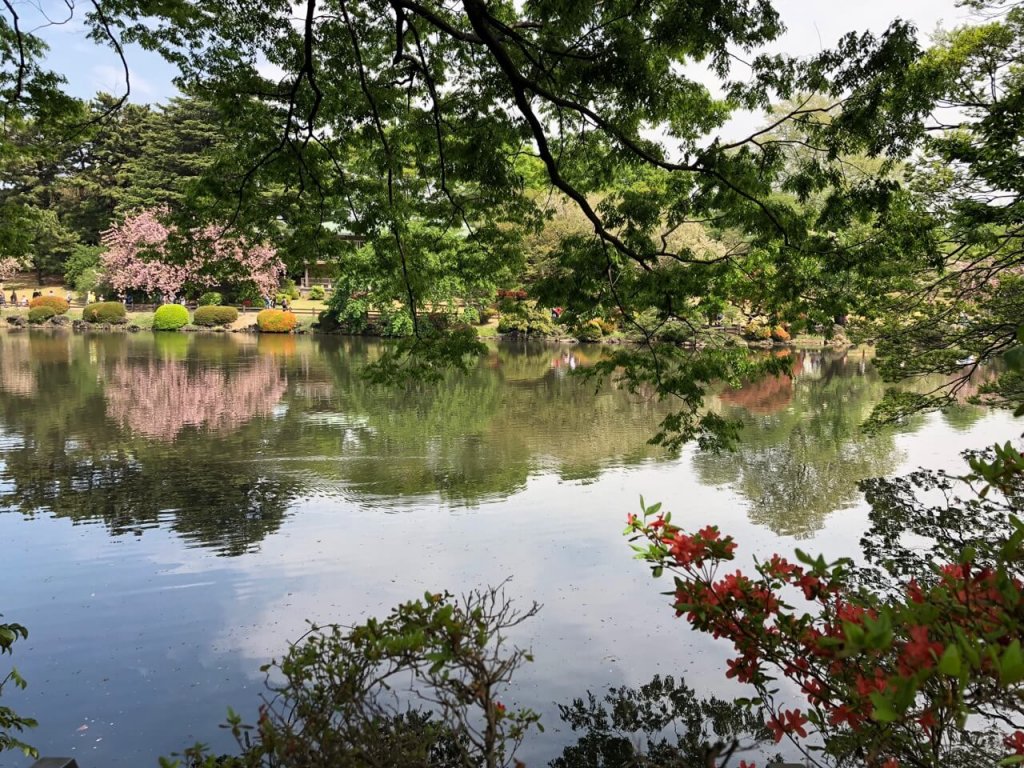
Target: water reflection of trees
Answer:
pixel 476 435
pixel 215 436
pixel 802 450
pixel 69 460
pixel 159 398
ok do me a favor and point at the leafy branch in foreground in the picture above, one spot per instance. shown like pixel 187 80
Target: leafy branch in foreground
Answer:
pixel 422 686
pixel 10 722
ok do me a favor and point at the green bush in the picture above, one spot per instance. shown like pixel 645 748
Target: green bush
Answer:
pixel 588 332
pixel 469 316
pixel 41 314
pixel 289 289
pixel 398 324
pixel 170 317
pixel 486 314
pixel 757 332
pixel 211 299
pixel 674 332
pixel 105 312
pixel 317 293
pixel 211 315
pixel 521 319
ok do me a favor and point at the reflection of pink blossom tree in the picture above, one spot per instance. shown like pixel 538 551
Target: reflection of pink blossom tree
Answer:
pixel 139 257
pixel 159 398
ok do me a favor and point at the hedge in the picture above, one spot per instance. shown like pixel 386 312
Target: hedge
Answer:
pixel 210 299
pixel 41 314
pixel 276 321
pixel 170 317
pixel 56 303
pixel 105 312
pixel 210 315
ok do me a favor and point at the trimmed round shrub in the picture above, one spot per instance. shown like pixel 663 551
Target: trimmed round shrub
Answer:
pixel 56 303
pixel 170 317
pixel 41 314
pixel 105 312
pixel 211 299
pixel 211 315
pixel 276 321
pixel 317 293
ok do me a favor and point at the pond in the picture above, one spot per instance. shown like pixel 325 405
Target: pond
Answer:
pixel 176 507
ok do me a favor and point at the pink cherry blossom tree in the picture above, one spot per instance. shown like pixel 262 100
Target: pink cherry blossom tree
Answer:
pixel 142 255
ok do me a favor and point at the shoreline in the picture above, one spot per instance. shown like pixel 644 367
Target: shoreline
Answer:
pixel 82 328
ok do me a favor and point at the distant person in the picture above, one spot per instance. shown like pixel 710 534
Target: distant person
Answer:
pixel 3 299
pixel 14 299
pixel 36 294
pixel 69 297
pixel 24 301
pixel 284 304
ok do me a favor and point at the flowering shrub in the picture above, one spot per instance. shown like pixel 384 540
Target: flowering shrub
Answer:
pixel 105 312
pixel 516 295
pixel 56 303
pixel 148 255
pixel 276 321
pixel 780 334
pixel 38 315
pixel 923 671
pixel 209 316
pixel 170 317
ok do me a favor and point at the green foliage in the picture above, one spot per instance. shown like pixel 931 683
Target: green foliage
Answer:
pixel 105 312
pixel 83 258
pixel 588 331
pixel 276 321
pixel 397 324
pixel 39 315
pixel 522 318
pixel 289 289
pixel 757 332
pixel 212 315
pixel 453 652
pixel 211 298
pixel 317 293
pixel 170 317
pixel 10 723
pixel 89 281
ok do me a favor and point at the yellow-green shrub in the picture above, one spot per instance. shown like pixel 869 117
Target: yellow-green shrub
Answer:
pixel 105 312
pixel 211 315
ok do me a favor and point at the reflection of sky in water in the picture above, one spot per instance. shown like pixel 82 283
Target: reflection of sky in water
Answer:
pixel 148 635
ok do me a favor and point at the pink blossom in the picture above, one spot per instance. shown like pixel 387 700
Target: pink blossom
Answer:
pixel 138 258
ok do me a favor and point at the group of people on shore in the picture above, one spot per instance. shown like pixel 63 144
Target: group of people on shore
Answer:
pixel 23 300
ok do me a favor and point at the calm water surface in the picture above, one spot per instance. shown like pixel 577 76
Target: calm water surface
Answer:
pixel 175 508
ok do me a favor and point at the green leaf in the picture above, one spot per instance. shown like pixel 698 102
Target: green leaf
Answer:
pixel 1011 664
pixel 950 664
